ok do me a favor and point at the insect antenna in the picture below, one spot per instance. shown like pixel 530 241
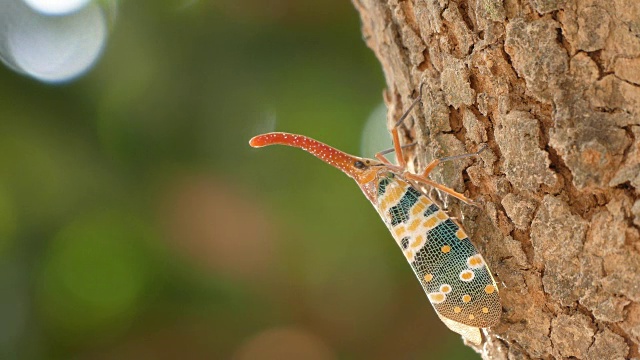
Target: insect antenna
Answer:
pixel 388 151
pixel 408 111
pixel 483 147
pixel 435 162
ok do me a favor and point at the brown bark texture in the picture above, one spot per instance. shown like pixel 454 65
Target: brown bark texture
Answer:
pixel 553 87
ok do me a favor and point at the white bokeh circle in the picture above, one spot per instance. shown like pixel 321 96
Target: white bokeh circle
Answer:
pixel 56 7
pixel 51 48
pixel 375 136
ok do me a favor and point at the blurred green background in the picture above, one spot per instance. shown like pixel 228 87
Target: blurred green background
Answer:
pixel 137 223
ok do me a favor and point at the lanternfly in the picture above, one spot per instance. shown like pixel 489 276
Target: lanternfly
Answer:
pixel 453 274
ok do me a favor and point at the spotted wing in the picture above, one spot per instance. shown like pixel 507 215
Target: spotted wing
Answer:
pixel 453 274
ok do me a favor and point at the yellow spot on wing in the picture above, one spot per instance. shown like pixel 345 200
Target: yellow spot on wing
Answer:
pixel 471 317
pixel 489 289
pixel 460 234
pixel 431 222
pixel 466 275
pixel 428 277
pixel 426 201
pixel 400 230
pixel 466 298
pixel 475 261
pixel 417 241
pixel 437 298
pixel 485 310
pixel 445 249
pixel 441 215
pixel 396 193
pixel 409 255
pixel 385 203
pixel 413 226
pixel 457 310
pixel 391 196
pixel 418 208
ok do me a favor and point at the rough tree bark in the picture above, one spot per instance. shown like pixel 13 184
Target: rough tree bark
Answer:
pixel 553 87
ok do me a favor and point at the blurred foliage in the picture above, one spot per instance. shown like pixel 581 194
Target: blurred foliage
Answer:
pixel 137 223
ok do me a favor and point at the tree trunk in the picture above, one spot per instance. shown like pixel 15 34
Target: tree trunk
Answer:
pixel 553 87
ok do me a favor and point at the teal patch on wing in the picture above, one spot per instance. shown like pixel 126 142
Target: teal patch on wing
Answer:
pixel 430 210
pixel 382 185
pixel 400 212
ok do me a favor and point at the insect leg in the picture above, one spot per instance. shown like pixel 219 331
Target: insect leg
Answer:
pixel 435 162
pixel 394 131
pixel 434 184
pixel 381 154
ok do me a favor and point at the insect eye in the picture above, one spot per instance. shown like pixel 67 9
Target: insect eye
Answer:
pixel 359 164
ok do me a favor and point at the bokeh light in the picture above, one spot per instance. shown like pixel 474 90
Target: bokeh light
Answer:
pixel 217 226
pixel 56 7
pixel 284 343
pixel 375 136
pixel 94 275
pixel 51 48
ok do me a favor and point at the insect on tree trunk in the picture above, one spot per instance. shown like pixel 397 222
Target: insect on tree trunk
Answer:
pixel 553 87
